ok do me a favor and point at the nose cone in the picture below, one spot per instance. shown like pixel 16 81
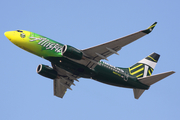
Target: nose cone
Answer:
pixel 8 34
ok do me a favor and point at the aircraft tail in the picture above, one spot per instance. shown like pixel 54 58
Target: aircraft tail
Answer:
pixel 144 67
pixel 143 70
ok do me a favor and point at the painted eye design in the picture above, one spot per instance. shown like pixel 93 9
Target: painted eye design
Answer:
pixel 22 35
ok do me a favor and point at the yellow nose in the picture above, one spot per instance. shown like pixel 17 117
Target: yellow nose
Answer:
pixel 8 34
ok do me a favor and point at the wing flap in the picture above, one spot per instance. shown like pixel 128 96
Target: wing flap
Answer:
pixel 59 89
pixel 63 82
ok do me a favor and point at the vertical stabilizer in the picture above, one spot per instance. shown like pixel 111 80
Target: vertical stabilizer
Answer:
pixel 144 67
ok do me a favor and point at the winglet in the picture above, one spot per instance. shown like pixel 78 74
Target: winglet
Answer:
pixel 149 29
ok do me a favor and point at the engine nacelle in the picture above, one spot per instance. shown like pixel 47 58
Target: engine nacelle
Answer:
pixel 72 52
pixel 46 71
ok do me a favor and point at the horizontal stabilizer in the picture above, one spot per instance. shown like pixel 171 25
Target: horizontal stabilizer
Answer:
pixel 137 93
pixel 149 80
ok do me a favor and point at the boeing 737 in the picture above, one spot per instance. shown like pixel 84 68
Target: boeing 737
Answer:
pixel 69 63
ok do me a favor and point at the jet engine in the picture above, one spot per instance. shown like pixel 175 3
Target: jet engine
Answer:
pixel 46 71
pixel 72 52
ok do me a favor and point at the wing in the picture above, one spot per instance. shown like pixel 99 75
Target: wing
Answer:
pixel 63 82
pixel 103 51
pixel 59 89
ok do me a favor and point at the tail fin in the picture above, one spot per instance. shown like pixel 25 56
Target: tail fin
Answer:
pixel 144 67
pixel 143 70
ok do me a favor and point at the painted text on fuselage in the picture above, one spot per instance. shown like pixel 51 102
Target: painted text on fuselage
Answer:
pixel 47 44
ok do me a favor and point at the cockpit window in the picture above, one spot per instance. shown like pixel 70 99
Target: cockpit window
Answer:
pixel 19 31
pixel 22 35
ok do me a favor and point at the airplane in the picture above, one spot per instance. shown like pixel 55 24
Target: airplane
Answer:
pixel 69 63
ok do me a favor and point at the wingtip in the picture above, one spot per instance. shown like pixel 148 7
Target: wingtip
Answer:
pixel 149 29
pixel 154 23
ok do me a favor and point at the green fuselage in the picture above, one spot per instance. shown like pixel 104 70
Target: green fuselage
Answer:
pixel 51 50
pixel 102 72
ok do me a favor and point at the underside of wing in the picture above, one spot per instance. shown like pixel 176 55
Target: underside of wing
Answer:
pixel 63 82
pixel 103 51
pixel 59 89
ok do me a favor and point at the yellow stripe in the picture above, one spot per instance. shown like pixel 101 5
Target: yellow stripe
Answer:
pixel 152 26
pixel 137 71
pixel 117 73
pixel 136 67
pixel 130 71
pixel 152 58
pixel 139 75
pixel 151 69
pixel 149 72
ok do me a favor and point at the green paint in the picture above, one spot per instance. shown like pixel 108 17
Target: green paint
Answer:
pixel 103 72
pixel 147 31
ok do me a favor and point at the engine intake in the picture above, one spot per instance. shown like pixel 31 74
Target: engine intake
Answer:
pixel 72 52
pixel 46 71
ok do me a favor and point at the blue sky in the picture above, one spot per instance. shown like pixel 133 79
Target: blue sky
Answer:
pixel 82 24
